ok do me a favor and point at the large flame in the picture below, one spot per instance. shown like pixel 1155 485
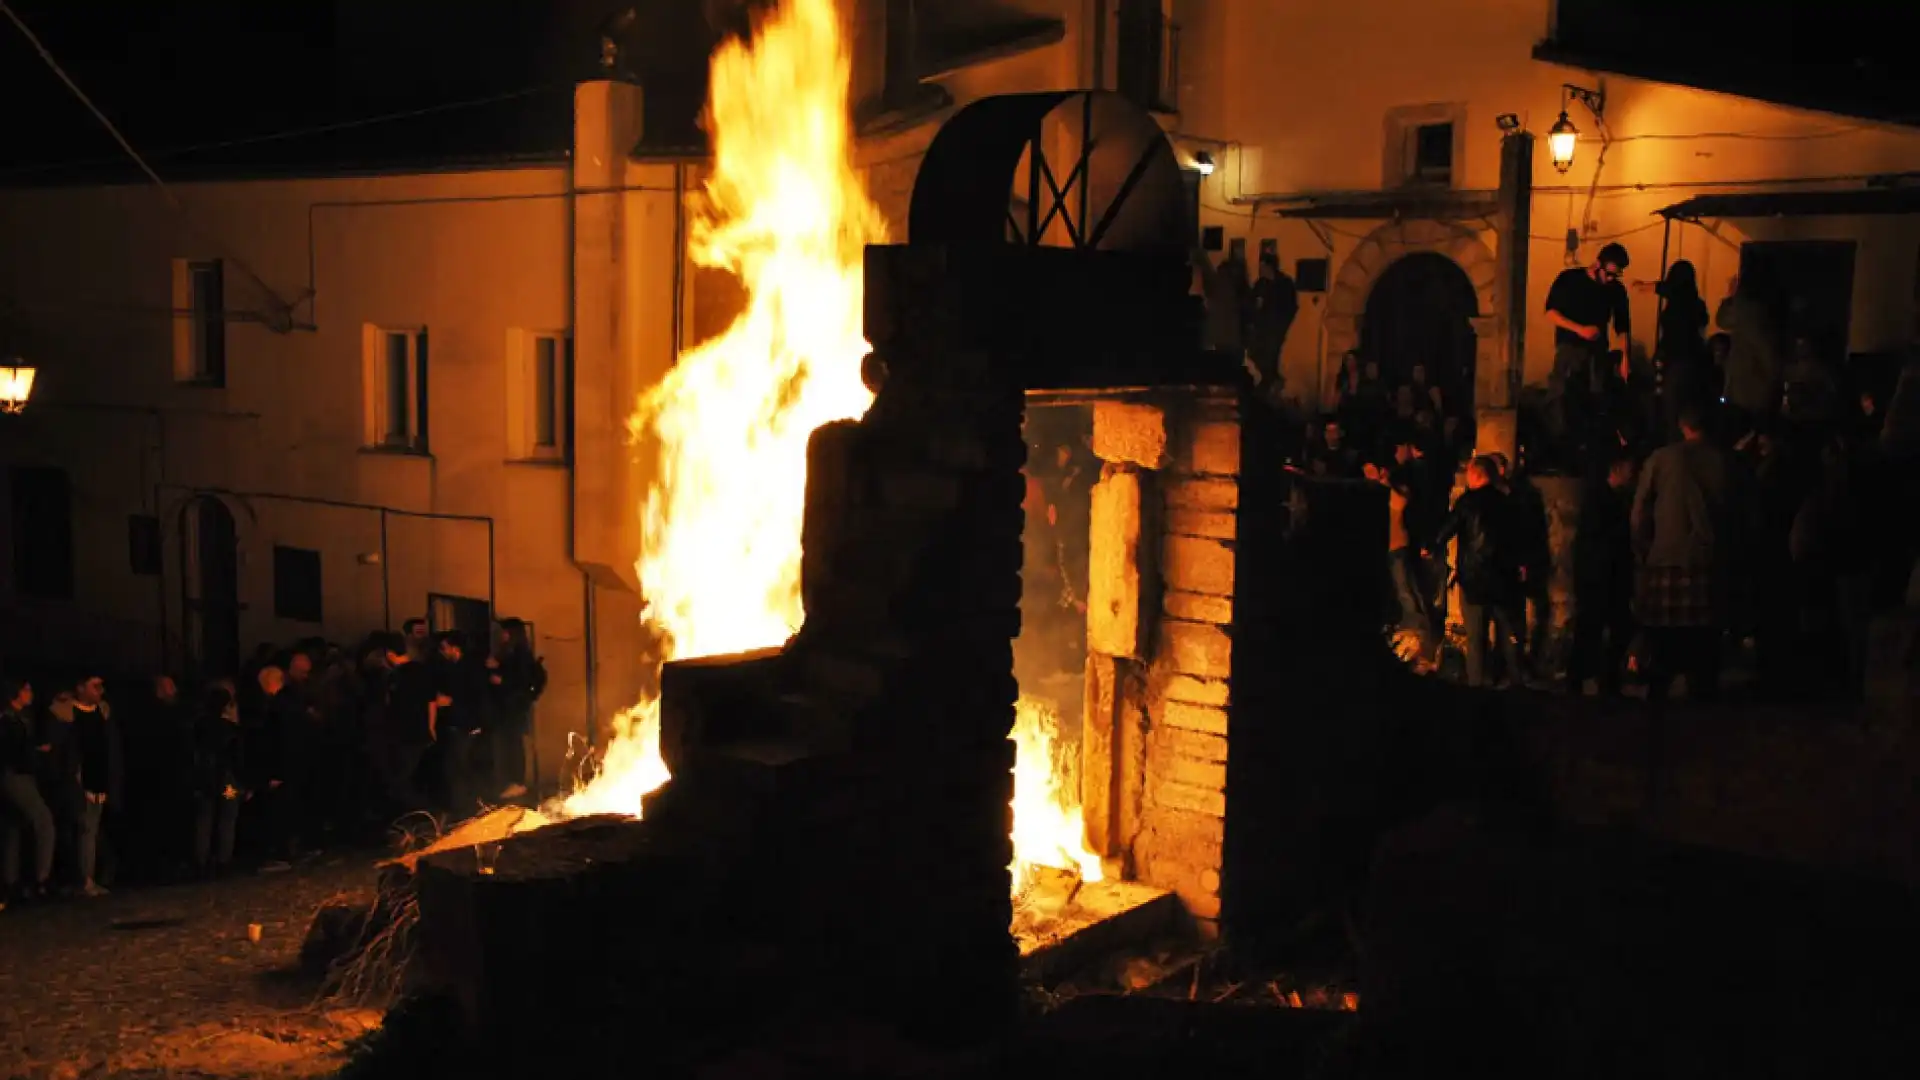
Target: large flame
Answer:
pixel 1048 826
pixel 785 213
pixel 720 554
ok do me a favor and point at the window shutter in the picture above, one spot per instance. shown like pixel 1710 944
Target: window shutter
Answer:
pixel 420 398
pixel 182 319
pixel 373 383
pixel 215 332
pixel 519 386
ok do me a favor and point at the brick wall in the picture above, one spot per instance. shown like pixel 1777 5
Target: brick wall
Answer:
pixel 1160 608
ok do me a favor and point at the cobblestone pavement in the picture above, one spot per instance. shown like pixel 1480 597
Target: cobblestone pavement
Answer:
pixel 88 986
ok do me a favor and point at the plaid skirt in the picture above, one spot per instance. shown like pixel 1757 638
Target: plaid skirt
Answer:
pixel 1677 596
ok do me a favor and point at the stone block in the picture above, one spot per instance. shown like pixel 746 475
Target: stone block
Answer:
pixel 1195 691
pixel 1200 800
pixel 1215 525
pixel 1205 494
pixel 1196 648
pixel 1113 561
pixel 1196 607
pixel 1186 742
pixel 1179 769
pixel 1210 448
pixel 1130 434
pixel 1204 719
pixel 1195 564
pixel 1096 751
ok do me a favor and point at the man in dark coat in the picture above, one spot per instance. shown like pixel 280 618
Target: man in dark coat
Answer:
pixel 1684 529
pixel 1486 570
pixel 1603 581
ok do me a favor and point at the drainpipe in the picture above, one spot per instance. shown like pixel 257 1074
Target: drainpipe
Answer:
pixel 588 636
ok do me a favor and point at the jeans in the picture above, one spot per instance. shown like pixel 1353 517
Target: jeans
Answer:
pixel 1505 624
pixel 213 828
pixel 87 845
pixel 22 793
pixel 1409 589
pixel 509 756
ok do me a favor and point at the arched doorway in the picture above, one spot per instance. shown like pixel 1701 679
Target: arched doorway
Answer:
pixel 1420 311
pixel 210 584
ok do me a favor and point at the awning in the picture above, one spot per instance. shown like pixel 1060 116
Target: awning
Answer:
pixel 1856 202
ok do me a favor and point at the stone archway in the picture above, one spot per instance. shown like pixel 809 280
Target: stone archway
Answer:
pixel 1347 301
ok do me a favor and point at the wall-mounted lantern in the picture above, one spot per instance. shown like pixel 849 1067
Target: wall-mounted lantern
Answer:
pixel 1203 163
pixel 1563 138
pixel 16 385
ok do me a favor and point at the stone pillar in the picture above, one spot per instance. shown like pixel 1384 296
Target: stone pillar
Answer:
pixel 1503 342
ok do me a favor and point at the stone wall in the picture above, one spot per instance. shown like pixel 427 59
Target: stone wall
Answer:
pixel 1160 663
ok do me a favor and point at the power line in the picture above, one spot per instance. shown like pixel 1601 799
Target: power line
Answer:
pixel 299 133
pixel 283 308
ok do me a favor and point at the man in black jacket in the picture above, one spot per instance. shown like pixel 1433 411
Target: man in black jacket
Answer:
pixel 97 740
pixel 1603 581
pixel 1486 570
pixel 518 678
pixel 458 721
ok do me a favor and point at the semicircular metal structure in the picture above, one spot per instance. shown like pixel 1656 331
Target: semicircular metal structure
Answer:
pixel 1082 168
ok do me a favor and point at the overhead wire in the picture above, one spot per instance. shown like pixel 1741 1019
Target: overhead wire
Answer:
pixel 287 134
pixel 283 313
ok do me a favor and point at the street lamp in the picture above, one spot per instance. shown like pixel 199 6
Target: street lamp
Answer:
pixel 1563 137
pixel 16 385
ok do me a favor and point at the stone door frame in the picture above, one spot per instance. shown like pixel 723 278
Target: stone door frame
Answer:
pixel 1388 244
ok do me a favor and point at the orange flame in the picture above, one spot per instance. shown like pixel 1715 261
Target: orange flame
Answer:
pixel 720 552
pixel 785 213
pixel 1048 826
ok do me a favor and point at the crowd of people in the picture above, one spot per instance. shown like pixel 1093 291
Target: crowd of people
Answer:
pixel 1727 493
pixel 304 747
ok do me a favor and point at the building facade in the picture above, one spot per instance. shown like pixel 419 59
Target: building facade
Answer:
pixel 321 404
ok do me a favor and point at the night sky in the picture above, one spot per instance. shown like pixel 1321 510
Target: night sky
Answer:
pixel 178 75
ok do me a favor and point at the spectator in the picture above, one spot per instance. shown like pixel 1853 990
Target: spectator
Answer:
pixel 1275 304
pixel 97 742
pixel 518 679
pixel 1333 458
pixel 1581 304
pixel 1485 569
pixel 1683 363
pixel 159 758
pixel 268 735
pixel 1682 526
pixel 406 726
pixel 1752 367
pixel 20 752
pixel 219 781
pixel 1603 582
pixel 458 720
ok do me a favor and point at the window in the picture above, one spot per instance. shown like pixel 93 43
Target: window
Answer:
pixel 143 544
pixel 396 386
pixel 296 584
pixel 1433 154
pixel 42 505
pixel 538 366
pixel 1147 57
pixel 1423 145
pixel 199 323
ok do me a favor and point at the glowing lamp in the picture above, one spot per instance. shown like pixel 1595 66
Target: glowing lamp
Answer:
pixel 1561 139
pixel 16 385
pixel 1203 163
